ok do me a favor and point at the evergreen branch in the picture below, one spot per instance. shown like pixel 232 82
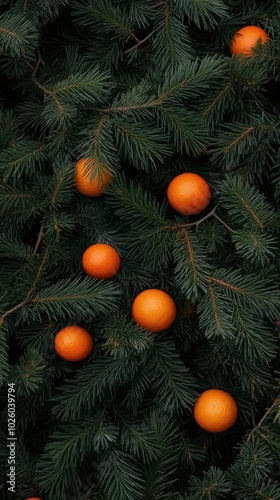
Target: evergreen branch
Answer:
pixel 238 139
pixel 171 43
pixel 135 205
pixel 120 475
pixel 23 157
pixel 213 484
pixel 127 51
pixel 176 388
pixel 259 294
pixel 245 204
pixel 30 373
pixel 217 98
pixel 78 297
pixel 275 404
pixel 60 108
pixel 204 13
pixel 215 316
pixel 175 227
pixel 223 222
pixel 93 384
pixel 191 267
pixel 141 143
pixel 18 35
pixel 24 302
pixel 103 16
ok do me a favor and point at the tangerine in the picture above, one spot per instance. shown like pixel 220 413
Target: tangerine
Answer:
pixel 101 261
pixel 215 410
pixel 85 184
pixel 154 310
pixel 73 343
pixel 188 193
pixel 246 39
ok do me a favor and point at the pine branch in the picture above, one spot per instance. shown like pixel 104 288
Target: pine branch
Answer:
pixel 203 13
pixel 23 158
pixel 245 204
pixel 77 298
pixel 191 266
pixel 92 384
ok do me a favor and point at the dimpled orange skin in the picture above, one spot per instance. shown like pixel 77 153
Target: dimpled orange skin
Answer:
pixel 154 310
pixel 188 193
pixel 215 410
pixel 245 39
pixel 91 188
pixel 73 343
pixel 101 261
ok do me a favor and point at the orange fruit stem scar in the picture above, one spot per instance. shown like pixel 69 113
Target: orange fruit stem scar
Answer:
pixel 215 410
pixel 73 343
pixel 246 39
pixel 88 185
pixel 188 193
pixel 154 310
pixel 101 261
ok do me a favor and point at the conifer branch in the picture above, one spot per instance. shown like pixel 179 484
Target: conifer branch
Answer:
pixel 224 224
pixel 238 139
pixel 139 43
pixel 39 239
pixel 275 403
pixel 25 6
pixel 217 98
pixel 24 302
pixel 198 222
pixel 254 215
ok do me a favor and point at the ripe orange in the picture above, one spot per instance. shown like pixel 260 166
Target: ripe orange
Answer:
pixel 188 193
pixel 101 261
pixel 73 343
pixel 154 310
pixel 245 39
pixel 84 182
pixel 215 410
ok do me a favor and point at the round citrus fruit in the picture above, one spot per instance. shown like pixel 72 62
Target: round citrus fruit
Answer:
pixel 154 310
pixel 101 261
pixel 215 410
pixel 245 39
pixel 85 184
pixel 73 343
pixel 188 193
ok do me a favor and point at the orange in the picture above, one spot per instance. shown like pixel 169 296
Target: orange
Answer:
pixel 73 343
pixel 85 184
pixel 101 261
pixel 245 39
pixel 215 410
pixel 154 310
pixel 188 193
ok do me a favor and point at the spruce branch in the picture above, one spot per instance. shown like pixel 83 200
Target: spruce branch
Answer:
pixel 127 51
pixel 276 403
pixel 197 223
pixel 24 302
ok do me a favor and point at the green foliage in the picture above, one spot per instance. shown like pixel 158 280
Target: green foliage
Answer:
pixel 146 89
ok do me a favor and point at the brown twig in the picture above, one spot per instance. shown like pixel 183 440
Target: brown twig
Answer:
pixel 32 288
pixel 224 224
pixel 276 402
pixel 139 43
pixel 39 239
pixel 197 223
